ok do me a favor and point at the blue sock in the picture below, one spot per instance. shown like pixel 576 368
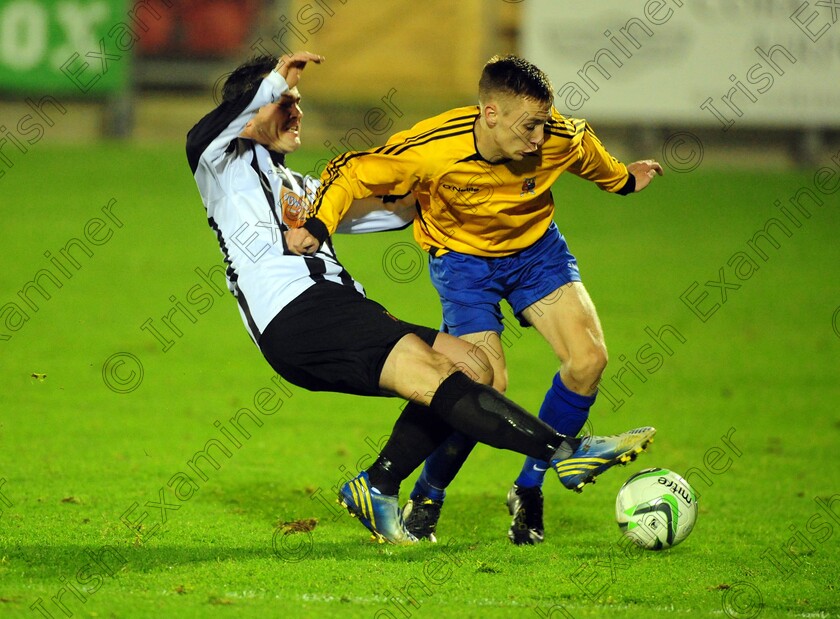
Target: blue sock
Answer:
pixel 566 412
pixel 442 466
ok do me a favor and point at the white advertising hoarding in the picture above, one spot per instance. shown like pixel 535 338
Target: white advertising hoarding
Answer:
pixel 719 63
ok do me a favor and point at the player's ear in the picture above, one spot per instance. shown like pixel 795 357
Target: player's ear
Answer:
pixel 491 114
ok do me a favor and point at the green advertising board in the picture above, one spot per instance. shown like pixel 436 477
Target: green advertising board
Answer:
pixel 76 47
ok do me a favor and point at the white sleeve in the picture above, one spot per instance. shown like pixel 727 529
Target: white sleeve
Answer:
pixel 361 218
pixel 269 91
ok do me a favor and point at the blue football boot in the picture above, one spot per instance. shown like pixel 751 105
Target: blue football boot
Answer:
pixel 380 513
pixel 596 454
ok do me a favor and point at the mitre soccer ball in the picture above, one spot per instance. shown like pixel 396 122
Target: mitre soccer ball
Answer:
pixel 656 509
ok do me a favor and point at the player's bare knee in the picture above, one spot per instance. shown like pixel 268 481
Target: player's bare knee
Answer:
pixel 425 377
pixel 441 365
pixel 593 364
pixel 479 367
pixel 600 360
pixel 586 367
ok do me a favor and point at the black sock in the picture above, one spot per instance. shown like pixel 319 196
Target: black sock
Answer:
pixel 416 434
pixel 489 417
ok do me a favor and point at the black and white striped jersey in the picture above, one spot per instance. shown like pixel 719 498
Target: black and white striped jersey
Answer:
pixel 242 185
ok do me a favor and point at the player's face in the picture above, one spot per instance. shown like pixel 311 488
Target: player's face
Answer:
pixel 277 125
pixel 520 131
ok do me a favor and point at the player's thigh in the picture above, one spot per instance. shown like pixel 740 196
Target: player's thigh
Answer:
pixel 546 292
pixel 470 358
pixel 567 319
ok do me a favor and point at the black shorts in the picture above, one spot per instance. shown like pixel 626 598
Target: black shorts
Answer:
pixel 331 338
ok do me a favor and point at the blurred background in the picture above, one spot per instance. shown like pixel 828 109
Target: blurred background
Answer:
pixel 753 81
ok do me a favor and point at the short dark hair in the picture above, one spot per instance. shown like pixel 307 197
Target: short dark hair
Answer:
pixel 247 76
pixel 511 75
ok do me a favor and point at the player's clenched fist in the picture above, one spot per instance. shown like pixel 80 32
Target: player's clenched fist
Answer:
pixel 300 242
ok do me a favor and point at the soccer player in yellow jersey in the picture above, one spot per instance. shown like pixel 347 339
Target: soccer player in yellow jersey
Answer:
pixel 482 176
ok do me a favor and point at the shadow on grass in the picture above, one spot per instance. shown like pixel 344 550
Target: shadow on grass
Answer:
pixel 45 562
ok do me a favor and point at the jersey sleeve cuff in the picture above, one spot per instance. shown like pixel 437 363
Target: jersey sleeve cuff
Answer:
pixel 278 83
pixel 391 198
pixel 629 186
pixel 317 228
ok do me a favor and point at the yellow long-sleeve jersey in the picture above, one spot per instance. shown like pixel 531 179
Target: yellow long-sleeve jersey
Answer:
pixel 466 204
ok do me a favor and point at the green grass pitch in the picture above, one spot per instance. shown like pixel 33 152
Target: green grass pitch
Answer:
pixel 723 338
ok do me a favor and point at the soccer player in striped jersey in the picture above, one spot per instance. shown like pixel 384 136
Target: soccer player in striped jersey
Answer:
pixel 482 176
pixel 315 326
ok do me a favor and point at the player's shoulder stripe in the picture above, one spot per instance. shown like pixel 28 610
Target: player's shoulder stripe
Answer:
pixel 446 119
pixel 401 147
pixel 342 160
pixel 564 127
pixel 439 134
pixel 462 120
pixel 559 133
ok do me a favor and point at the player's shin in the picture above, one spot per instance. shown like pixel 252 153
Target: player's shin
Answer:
pixel 442 466
pixel 566 412
pixel 484 414
pixel 415 435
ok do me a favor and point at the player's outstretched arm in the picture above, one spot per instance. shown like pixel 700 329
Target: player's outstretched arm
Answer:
pixel 359 175
pixel 643 172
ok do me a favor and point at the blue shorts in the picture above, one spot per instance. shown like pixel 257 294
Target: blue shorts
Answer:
pixel 471 287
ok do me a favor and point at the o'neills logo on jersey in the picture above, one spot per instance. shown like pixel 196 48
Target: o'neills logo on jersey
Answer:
pixel 461 189
pixel 294 208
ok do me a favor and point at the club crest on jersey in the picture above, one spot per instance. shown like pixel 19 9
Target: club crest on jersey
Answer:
pixel 528 185
pixel 294 208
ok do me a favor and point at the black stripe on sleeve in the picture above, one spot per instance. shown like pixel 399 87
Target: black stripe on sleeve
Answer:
pixel 208 128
